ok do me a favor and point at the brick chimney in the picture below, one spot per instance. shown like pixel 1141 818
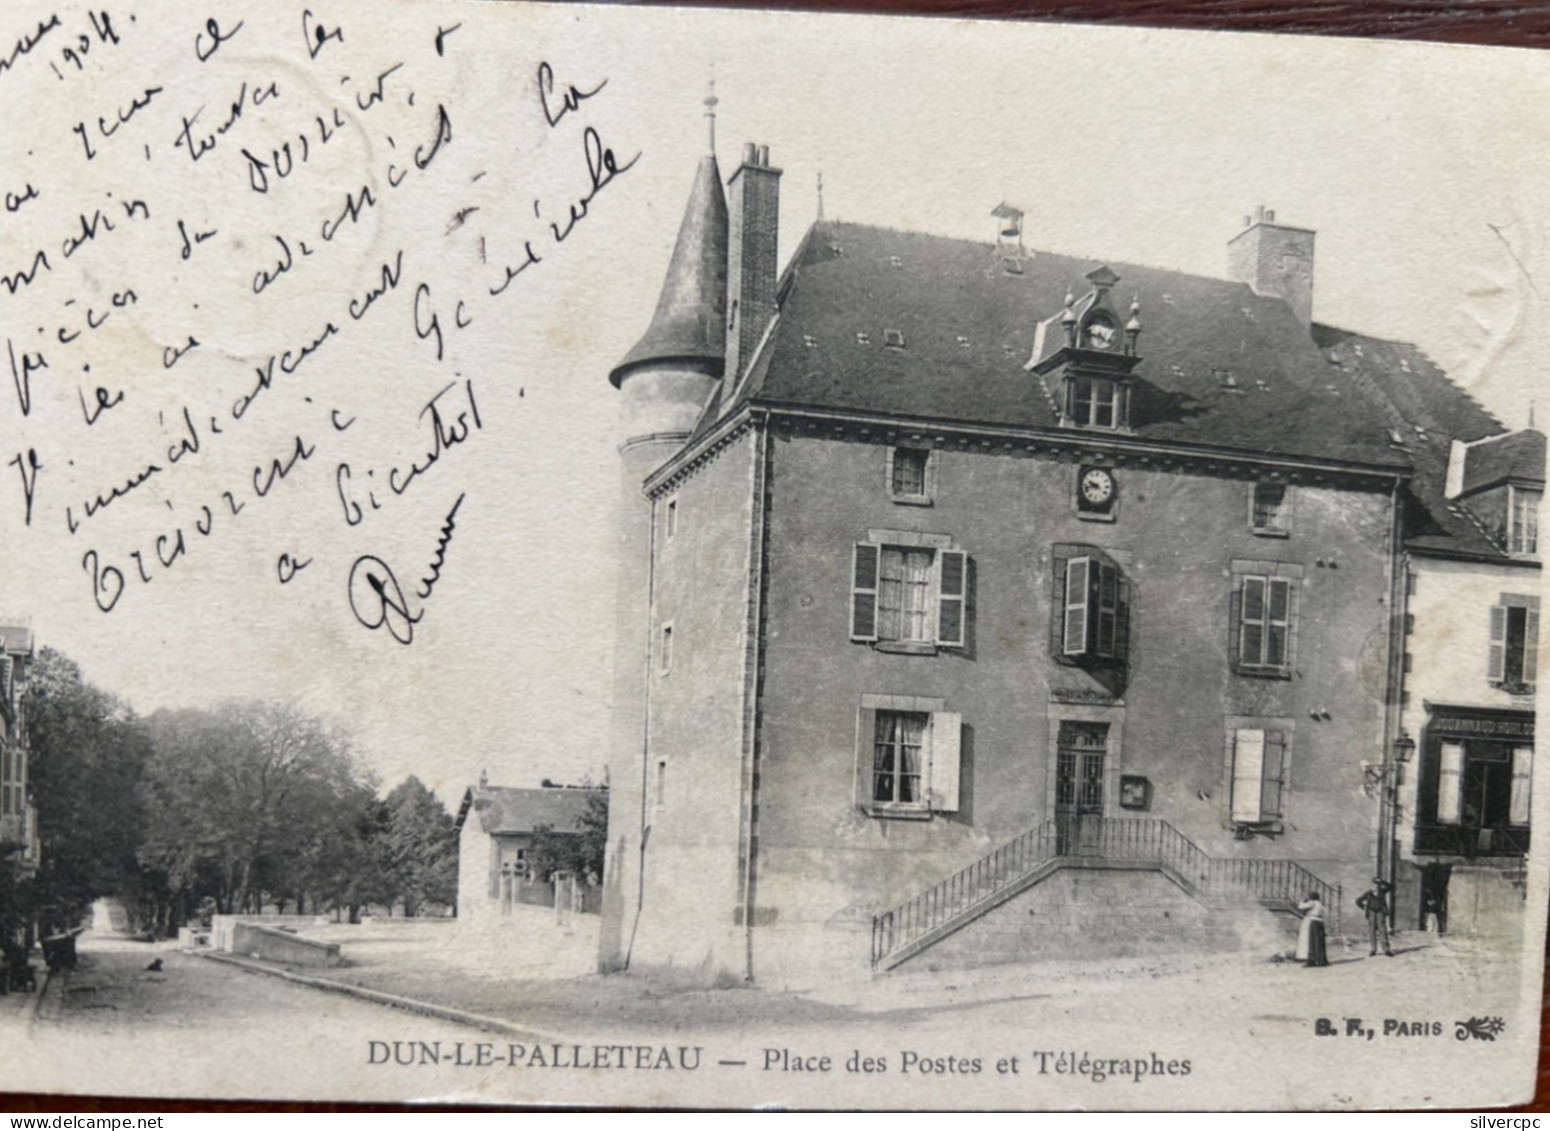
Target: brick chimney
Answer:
pixel 1275 261
pixel 754 210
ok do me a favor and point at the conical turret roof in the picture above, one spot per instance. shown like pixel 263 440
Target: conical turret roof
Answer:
pixel 690 322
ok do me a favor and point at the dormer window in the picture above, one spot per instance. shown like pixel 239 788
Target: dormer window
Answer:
pixel 1097 402
pixel 1523 523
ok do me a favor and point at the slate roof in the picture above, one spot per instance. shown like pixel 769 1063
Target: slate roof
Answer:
pixel 690 320
pixel 1516 456
pixel 1428 411
pixel 968 328
pixel 507 809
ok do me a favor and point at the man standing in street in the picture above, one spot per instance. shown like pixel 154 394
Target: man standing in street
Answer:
pixel 1375 902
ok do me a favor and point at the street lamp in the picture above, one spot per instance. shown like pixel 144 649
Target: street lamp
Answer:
pixel 1401 752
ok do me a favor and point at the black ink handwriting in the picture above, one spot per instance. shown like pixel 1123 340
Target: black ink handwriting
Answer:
pixel 570 97
pixel 13 201
pixel 216 38
pixel 376 95
pixel 289 566
pixel 25 276
pixel 199 238
pixel 377 600
pixel 21 375
pixel 105 400
pixel 170 355
pixel 532 259
pixel 29 469
pixel 27 42
pixel 603 167
pixel 316 35
pixel 427 584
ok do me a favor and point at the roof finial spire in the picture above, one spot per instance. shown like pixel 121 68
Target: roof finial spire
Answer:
pixel 820 217
pixel 1530 405
pixel 711 102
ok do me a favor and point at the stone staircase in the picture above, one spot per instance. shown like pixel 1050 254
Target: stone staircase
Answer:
pixel 1133 844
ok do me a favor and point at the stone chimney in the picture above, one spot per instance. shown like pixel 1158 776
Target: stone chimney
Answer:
pixel 1275 261
pixel 754 215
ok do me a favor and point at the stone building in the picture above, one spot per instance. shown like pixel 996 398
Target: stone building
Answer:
pixel 19 841
pixel 497 826
pixel 1461 809
pixel 982 603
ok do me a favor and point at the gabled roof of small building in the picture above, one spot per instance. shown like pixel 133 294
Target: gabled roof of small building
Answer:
pixel 16 640
pixel 916 326
pixel 506 810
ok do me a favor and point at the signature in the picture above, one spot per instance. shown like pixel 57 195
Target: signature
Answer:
pixel 376 597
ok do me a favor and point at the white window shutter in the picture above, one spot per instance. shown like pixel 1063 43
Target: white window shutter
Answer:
pixel 1530 646
pixel 952 587
pixel 1496 657
pixel 1450 767
pixel 1074 637
pixel 1522 777
pixel 1248 765
pixel 946 745
pixel 863 592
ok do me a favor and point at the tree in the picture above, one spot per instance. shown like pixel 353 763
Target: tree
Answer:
pixel 419 843
pixel 243 798
pixel 580 849
pixel 89 753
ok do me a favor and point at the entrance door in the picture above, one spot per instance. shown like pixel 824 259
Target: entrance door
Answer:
pixel 1079 755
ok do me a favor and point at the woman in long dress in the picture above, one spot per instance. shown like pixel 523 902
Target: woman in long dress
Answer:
pixel 1310 935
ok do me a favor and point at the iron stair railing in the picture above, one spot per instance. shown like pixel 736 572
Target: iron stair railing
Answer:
pixel 969 892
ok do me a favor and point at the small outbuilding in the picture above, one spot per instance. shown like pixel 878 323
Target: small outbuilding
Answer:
pixel 497 830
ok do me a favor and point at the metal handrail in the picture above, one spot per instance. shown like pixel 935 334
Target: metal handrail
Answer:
pixel 1141 839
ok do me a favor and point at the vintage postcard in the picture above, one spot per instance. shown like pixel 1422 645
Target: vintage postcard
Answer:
pixel 573 555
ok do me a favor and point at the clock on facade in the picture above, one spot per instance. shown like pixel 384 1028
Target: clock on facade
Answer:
pixel 1095 491
pixel 1098 334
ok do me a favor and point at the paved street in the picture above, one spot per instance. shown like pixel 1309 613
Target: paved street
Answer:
pixel 200 1026
pixel 203 1027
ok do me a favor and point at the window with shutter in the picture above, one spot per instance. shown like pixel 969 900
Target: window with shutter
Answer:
pixel 908 757
pixel 914 597
pixel 1512 649
pixel 1091 611
pixel 1259 760
pixel 1450 768
pixel 1264 613
pixel 1522 780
